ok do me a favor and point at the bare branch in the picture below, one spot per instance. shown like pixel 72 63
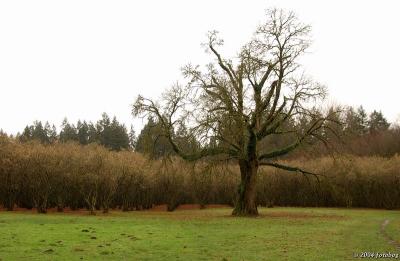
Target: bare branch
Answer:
pixel 289 168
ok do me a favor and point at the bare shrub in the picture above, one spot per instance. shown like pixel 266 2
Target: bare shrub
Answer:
pixel 169 181
pixel 10 173
pixel 70 175
pixel 41 175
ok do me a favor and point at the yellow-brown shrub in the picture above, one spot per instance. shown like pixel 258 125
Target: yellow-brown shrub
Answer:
pixel 75 176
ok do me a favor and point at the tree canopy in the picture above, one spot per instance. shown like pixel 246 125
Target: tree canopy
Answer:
pixel 232 105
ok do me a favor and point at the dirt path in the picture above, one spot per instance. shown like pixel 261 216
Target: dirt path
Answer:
pixel 387 237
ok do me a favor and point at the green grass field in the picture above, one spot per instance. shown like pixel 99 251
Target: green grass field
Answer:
pixel 210 234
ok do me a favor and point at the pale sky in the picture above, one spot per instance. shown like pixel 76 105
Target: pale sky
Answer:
pixel 78 58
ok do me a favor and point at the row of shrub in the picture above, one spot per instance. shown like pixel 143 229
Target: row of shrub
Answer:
pixel 74 176
pixel 348 181
pixel 39 176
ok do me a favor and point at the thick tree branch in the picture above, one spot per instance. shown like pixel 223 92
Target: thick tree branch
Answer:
pixel 290 168
pixel 281 152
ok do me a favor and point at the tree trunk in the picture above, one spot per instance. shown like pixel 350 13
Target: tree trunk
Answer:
pixel 60 204
pixel 41 204
pixel 246 204
pixel 9 204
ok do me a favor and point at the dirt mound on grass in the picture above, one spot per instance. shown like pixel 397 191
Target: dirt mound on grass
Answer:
pixel 162 208
pixel 81 211
pixel 188 207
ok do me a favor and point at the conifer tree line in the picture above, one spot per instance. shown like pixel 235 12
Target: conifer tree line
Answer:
pixel 107 132
pixel 354 131
pixel 360 133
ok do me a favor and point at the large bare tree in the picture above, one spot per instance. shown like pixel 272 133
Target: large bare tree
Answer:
pixel 234 104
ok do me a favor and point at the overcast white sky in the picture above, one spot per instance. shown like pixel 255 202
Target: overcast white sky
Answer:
pixel 77 58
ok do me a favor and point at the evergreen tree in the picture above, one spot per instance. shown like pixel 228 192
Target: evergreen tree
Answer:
pixel 118 136
pixel 351 121
pixel 40 133
pixel 112 134
pixel 36 131
pixel 83 132
pixel 132 138
pixel 152 142
pixel 68 132
pixel 103 129
pixel 51 133
pixel 362 119
pixel 26 134
pixel 93 135
pixel 3 133
pixel 356 121
pixel 377 122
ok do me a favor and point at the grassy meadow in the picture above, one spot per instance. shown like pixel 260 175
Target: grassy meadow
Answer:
pixel 327 220
pixel 208 234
